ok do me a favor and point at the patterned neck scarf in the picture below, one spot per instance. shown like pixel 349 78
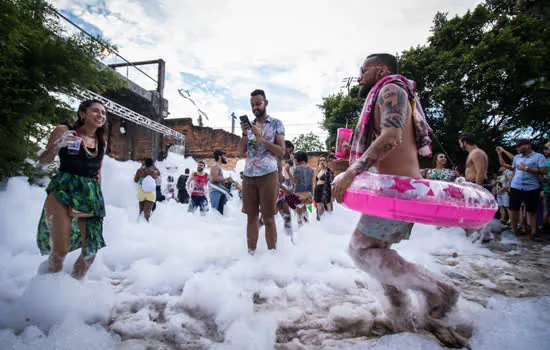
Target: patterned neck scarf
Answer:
pixel 363 131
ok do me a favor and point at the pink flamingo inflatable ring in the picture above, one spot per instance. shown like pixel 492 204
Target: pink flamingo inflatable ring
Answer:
pixel 423 201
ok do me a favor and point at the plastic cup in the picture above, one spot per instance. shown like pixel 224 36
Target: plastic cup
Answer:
pixel 74 147
pixel 343 138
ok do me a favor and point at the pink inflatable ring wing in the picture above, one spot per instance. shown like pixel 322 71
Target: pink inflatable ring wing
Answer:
pixel 424 201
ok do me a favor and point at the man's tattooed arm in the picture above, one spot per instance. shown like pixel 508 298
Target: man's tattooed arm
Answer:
pixel 393 103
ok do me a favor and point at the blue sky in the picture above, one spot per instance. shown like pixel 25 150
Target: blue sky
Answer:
pixel 297 51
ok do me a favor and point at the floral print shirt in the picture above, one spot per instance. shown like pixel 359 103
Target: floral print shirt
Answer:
pixel 260 160
pixel 438 174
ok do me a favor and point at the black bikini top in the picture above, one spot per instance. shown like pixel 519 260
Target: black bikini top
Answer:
pixel 80 164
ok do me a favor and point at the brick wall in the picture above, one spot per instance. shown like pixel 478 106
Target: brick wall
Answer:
pixel 201 142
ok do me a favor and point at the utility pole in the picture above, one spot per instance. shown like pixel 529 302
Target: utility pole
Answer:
pixel 233 122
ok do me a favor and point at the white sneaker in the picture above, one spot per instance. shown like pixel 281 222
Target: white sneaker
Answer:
pixel 251 252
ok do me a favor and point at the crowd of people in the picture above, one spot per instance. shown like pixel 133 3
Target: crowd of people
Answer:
pixel 283 179
pixel 390 134
pixel 520 186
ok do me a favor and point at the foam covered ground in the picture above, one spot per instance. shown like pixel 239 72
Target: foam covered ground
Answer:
pixel 187 279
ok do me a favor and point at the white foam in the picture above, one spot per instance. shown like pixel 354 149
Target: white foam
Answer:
pixel 196 272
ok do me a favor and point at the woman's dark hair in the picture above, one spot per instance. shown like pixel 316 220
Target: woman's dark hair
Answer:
pixel 148 162
pixel 101 132
pixel 434 159
pixel 289 144
pixel 300 156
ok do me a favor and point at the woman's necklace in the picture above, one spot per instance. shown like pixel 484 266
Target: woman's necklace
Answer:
pixel 94 153
pixel 90 154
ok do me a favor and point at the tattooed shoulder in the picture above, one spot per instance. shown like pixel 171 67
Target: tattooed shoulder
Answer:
pixel 393 102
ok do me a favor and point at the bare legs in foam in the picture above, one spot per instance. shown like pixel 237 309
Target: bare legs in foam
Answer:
pixel 59 225
pixel 397 275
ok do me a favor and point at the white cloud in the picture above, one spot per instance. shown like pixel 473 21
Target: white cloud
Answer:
pixel 317 43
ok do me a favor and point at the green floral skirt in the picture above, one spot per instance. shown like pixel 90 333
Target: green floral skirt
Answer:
pixel 84 194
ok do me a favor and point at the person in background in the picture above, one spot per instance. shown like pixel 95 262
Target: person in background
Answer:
pixel 146 198
pixel 440 172
pixel 323 190
pixel 286 197
pixel 508 176
pixel 477 162
pixel 183 196
pixel 72 217
pixel 170 190
pixel 158 182
pixel 217 197
pixel 546 185
pixel 303 177
pixel 197 186
pixel 502 194
pixel 525 187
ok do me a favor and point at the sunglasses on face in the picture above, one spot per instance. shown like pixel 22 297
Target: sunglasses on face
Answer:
pixel 364 70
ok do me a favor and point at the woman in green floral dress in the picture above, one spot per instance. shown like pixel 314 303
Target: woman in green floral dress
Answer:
pixel 74 209
pixel 440 172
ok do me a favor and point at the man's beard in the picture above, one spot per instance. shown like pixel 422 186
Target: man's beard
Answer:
pixel 224 161
pixel 364 91
pixel 259 112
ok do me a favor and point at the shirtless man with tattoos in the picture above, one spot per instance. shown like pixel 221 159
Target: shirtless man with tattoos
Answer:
pixel 393 152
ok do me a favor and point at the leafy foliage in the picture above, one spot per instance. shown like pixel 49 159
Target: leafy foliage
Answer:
pixel 308 143
pixel 39 65
pixel 486 72
pixel 340 111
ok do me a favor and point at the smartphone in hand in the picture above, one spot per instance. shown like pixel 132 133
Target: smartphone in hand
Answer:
pixel 244 120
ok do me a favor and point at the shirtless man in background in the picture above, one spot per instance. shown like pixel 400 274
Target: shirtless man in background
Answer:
pixel 393 152
pixel 477 162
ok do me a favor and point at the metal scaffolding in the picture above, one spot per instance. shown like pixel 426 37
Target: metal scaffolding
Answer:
pixel 132 116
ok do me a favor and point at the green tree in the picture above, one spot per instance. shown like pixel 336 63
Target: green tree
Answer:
pixel 487 73
pixel 39 65
pixel 340 110
pixel 308 143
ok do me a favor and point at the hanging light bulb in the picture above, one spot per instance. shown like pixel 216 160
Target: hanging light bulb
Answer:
pixel 122 130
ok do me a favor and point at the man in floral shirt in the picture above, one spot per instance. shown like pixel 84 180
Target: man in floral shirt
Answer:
pixel 263 141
